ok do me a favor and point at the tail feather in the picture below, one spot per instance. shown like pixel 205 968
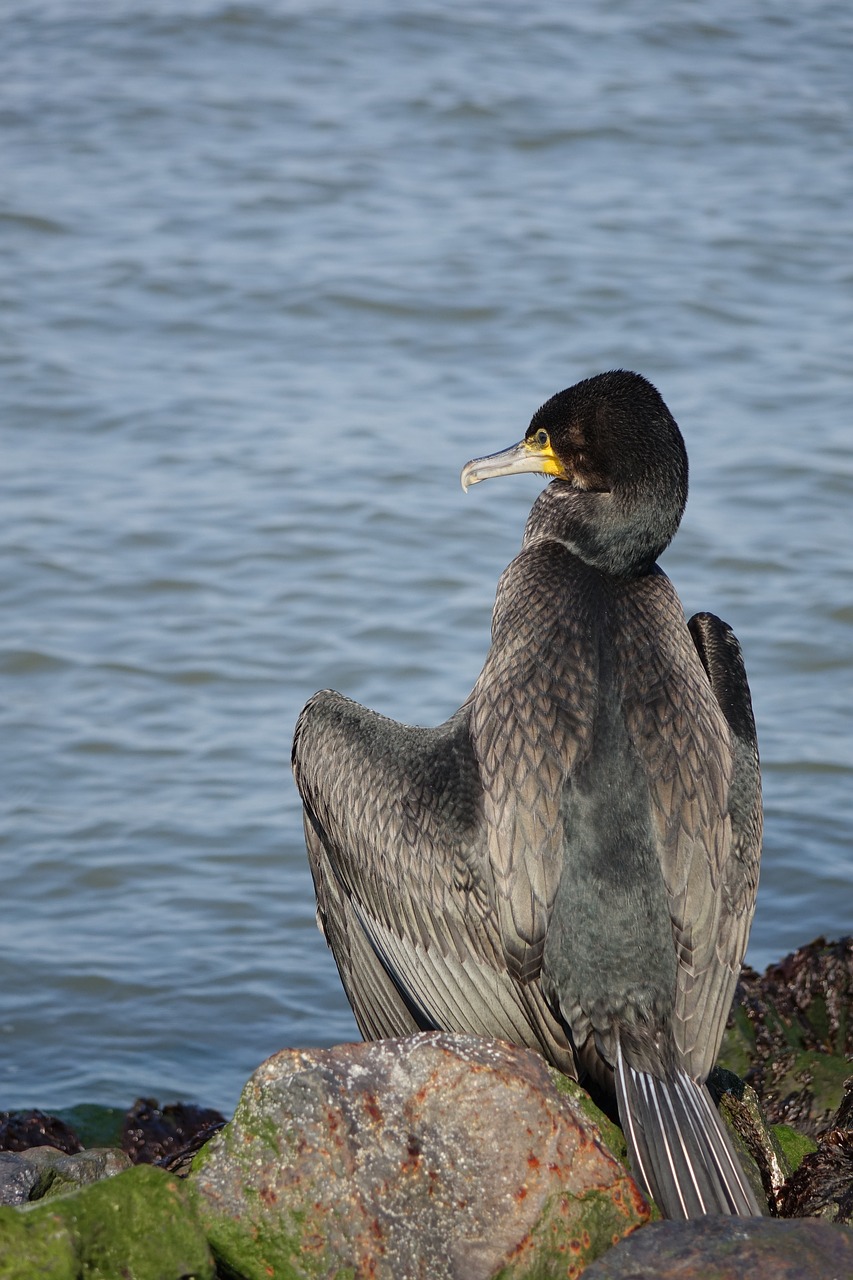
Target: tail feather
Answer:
pixel 678 1146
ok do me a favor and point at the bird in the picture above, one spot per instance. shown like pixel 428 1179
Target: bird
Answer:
pixel 570 862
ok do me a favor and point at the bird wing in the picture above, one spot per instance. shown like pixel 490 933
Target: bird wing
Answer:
pixel 394 827
pixel 705 795
pixel 722 659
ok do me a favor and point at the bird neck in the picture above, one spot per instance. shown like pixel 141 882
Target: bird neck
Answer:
pixel 615 534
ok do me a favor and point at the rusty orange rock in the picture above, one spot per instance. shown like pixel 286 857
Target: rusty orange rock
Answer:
pixel 435 1156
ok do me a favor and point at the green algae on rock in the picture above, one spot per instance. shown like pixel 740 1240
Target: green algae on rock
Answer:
pixel 614 1138
pixel 795 1146
pixel 140 1224
pixel 36 1244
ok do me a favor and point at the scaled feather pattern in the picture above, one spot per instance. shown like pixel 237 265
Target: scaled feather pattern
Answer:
pixel 570 862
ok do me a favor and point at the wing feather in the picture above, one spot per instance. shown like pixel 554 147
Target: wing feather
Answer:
pixel 395 843
pixel 706 810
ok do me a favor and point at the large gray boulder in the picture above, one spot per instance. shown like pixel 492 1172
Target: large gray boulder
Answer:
pixel 435 1156
pixel 729 1249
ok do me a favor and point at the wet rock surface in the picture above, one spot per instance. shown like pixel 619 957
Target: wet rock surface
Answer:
pixel 434 1156
pixel 822 1187
pixel 17 1178
pixel 762 1158
pixel 790 1034
pixel 730 1249
pixel 57 1172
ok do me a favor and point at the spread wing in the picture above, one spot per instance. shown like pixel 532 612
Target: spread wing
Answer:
pixel 697 736
pixel 406 896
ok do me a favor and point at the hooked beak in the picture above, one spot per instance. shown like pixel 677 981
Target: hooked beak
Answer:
pixel 527 455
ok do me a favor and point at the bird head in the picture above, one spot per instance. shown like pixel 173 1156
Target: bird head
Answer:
pixel 619 467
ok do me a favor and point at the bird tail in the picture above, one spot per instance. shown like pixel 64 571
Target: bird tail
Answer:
pixel 679 1149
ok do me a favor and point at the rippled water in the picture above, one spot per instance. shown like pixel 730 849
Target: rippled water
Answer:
pixel 270 273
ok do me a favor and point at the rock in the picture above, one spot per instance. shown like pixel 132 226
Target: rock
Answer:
pixel 844 1115
pixel 40 1171
pixel 790 1035
pixel 822 1187
pixel 612 1135
pixel 17 1178
pixel 150 1135
pixel 59 1173
pixel 139 1224
pixel 729 1249
pixel 32 1246
pixel 20 1130
pixel 434 1156
pixel 762 1155
pixel 795 1146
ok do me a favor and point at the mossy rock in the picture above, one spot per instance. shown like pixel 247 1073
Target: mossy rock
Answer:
pixel 796 1146
pixel 139 1225
pixel 790 1034
pixel 436 1154
pixel 572 1233
pixel 737 1050
pixel 612 1135
pixel 37 1244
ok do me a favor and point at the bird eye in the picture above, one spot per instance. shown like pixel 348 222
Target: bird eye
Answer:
pixel 542 437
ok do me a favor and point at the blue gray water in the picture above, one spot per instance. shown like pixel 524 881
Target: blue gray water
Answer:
pixel 270 274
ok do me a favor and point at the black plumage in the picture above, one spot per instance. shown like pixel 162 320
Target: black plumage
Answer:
pixel 570 862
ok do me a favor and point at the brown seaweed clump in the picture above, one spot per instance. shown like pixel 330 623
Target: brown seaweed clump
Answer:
pixel 21 1130
pixel 790 1034
pixel 154 1136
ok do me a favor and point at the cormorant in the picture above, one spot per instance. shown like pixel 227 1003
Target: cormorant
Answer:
pixel 570 862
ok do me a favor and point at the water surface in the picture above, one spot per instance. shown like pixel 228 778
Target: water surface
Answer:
pixel 270 274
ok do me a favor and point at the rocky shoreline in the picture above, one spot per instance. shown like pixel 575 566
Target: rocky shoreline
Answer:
pixel 446 1156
